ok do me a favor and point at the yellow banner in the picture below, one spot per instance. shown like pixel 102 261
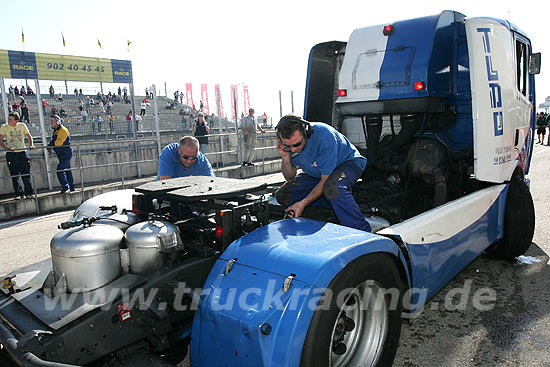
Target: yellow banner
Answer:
pixel 60 67
pixel 4 64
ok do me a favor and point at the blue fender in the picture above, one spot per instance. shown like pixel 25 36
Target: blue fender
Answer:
pixel 246 316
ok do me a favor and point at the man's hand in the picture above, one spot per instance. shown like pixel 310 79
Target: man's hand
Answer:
pixel 281 149
pixel 297 208
pixel 32 146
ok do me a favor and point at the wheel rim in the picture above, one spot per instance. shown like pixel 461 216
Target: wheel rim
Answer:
pixel 367 308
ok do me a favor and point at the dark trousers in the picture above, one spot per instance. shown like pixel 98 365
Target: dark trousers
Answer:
pixel 65 177
pixel 336 194
pixel 19 163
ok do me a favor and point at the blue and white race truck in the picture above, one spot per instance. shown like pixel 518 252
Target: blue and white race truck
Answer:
pixel 442 107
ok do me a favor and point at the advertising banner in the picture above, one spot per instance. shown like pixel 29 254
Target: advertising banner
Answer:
pixel 30 65
pixel 219 101
pixel 204 99
pixel 189 94
pixel 234 101
pixel 246 99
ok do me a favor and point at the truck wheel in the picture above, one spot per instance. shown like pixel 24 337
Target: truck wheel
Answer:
pixel 362 323
pixel 519 222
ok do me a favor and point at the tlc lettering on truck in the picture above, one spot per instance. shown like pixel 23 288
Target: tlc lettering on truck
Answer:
pixel 492 77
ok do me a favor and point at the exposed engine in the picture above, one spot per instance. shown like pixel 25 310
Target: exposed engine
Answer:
pixel 157 235
pixel 410 170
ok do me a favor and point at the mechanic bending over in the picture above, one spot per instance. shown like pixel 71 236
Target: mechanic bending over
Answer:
pixel 183 159
pixel 330 165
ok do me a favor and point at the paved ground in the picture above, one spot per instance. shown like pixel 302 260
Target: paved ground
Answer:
pixel 515 332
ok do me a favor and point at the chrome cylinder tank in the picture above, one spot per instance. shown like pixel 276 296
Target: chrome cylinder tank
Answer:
pixel 88 256
pixel 121 220
pixel 148 243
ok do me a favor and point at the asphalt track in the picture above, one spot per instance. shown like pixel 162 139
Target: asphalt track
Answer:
pixel 511 329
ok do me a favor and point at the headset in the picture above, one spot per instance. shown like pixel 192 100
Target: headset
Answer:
pixel 303 125
pixel 57 118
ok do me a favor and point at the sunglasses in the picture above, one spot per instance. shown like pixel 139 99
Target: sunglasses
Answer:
pixel 189 157
pixel 293 145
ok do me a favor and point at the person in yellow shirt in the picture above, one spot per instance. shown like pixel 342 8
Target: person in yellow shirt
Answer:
pixel 17 157
pixel 61 143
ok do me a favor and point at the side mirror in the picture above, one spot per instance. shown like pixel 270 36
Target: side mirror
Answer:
pixel 534 63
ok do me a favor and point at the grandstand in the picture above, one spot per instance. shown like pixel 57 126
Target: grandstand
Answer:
pixel 169 119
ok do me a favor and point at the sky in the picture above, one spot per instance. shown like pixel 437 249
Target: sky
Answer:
pixel 264 45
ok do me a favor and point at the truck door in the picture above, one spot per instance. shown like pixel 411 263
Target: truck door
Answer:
pixel 500 97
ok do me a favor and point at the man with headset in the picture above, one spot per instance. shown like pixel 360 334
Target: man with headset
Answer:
pixel 330 165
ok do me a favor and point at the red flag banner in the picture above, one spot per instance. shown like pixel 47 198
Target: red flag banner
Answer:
pixel 219 100
pixel 246 99
pixel 234 101
pixel 204 99
pixel 189 94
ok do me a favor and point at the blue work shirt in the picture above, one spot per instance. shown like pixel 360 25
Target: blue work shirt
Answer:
pixel 170 164
pixel 325 150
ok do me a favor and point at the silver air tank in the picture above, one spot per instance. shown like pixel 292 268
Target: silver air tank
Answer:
pixel 88 256
pixel 149 242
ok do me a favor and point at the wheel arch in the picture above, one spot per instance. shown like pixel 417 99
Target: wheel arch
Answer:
pixel 272 253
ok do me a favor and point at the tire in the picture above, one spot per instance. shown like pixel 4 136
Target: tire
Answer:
pixel 373 336
pixel 519 222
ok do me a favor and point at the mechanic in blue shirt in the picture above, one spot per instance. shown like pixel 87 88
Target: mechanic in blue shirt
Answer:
pixel 183 159
pixel 330 165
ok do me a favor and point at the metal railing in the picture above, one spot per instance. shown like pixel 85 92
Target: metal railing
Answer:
pixel 79 149
pixel 80 168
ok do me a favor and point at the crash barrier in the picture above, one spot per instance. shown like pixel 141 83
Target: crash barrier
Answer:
pixel 119 160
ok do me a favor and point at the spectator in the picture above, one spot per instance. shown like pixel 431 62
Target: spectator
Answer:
pixel 129 121
pixel 11 92
pixel 112 124
pixel 150 93
pixel 138 122
pixel 176 96
pixel 52 91
pixel 23 90
pixel 146 91
pixel 109 106
pixel 541 127
pixel 181 97
pixel 92 123
pixel 21 100
pixel 44 105
pixel 183 159
pixel 249 125
pixel 30 92
pixel 61 144
pixel 24 113
pixel 201 107
pixel 76 92
pixel 201 130
pixel 101 107
pixel 143 107
pixel 183 122
pixel 119 92
pixel 16 91
pixel 84 115
pixel 125 92
pixel 80 92
pixel 16 108
pixel 62 112
pixel 126 99
pixel 99 122
pixel 53 111
pixel 17 157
